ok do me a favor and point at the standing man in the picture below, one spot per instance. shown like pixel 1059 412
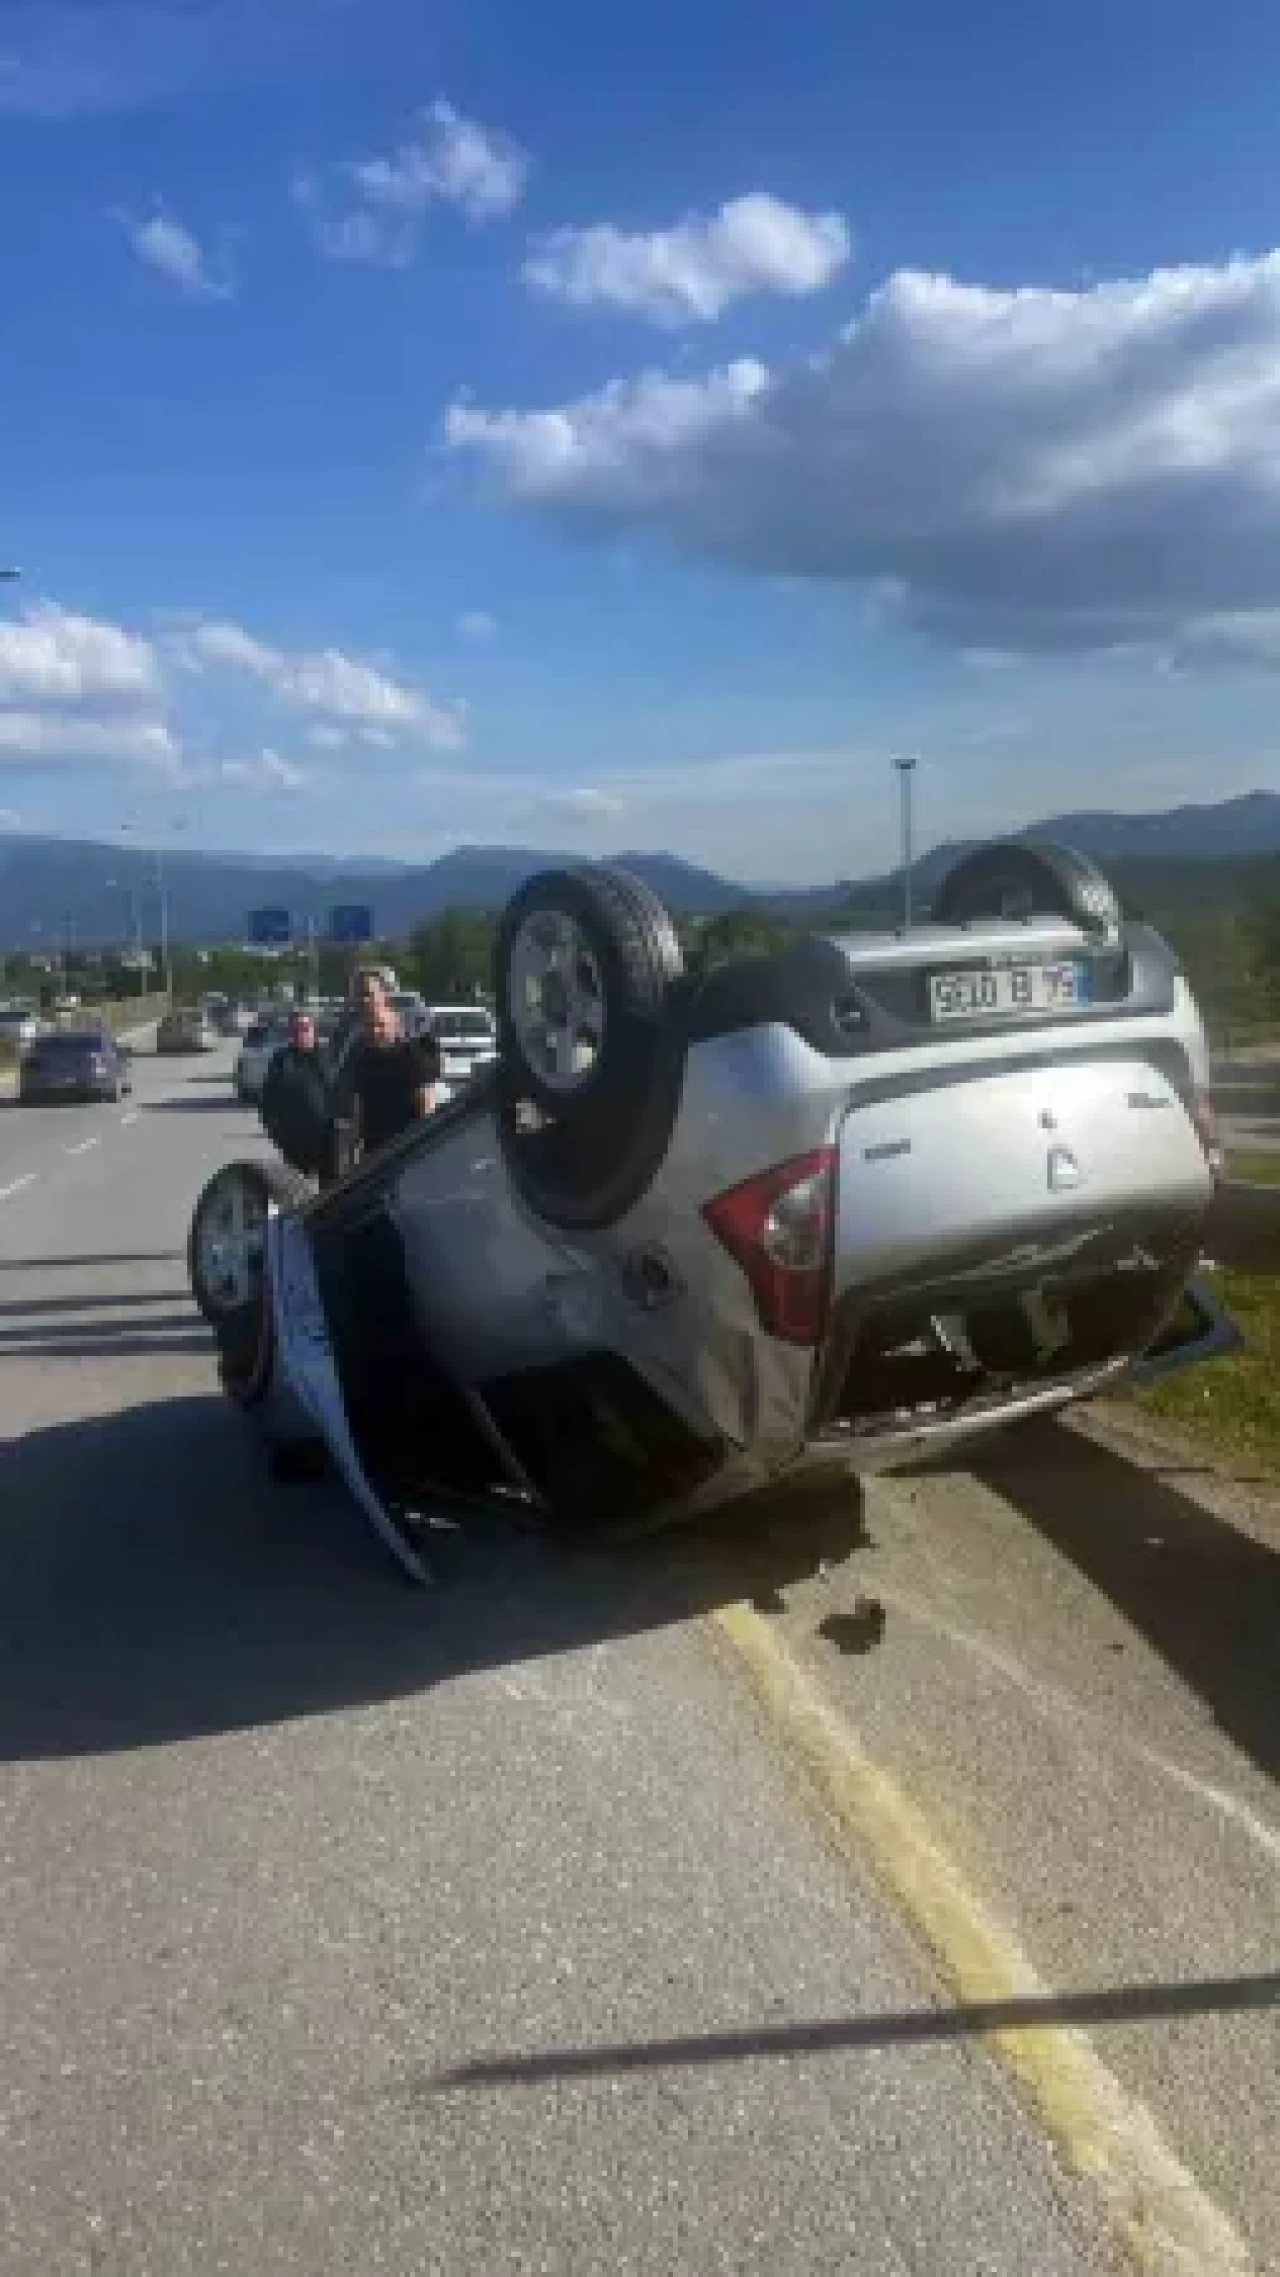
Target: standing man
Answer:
pixel 389 1078
pixel 294 1106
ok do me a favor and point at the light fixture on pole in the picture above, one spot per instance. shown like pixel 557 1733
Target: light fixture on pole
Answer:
pixel 906 767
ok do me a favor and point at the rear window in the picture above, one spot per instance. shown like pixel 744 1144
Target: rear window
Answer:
pixel 462 1027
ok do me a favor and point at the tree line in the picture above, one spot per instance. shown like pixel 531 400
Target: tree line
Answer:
pixel 1223 918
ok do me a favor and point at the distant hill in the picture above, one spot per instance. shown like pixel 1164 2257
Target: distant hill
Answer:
pixel 82 889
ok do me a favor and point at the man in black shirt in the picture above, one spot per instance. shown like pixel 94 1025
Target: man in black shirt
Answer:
pixel 389 1077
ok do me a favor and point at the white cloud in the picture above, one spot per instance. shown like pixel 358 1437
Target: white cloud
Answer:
pixel 65 59
pixel 694 271
pixel 356 233
pixel 342 690
pixel 52 656
pixel 1022 471
pixel 265 771
pixel 172 250
pixel 477 624
pixel 585 808
pixel 452 159
pixel 39 737
pixel 449 160
pixel 76 688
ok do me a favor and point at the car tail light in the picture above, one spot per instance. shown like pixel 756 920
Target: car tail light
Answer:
pixel 1206 1123
pixel 777 1227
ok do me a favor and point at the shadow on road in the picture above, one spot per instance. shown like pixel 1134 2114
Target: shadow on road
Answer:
pixel 157 1587
pixel 1122 2004
pixel 1203 1593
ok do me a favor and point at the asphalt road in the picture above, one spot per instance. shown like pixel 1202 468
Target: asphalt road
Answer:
pixel 347 1927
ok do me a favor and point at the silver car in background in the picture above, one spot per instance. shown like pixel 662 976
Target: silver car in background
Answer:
pixel 468 1038
pixel 859 1201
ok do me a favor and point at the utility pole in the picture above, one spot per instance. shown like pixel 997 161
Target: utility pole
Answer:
pixel 906 767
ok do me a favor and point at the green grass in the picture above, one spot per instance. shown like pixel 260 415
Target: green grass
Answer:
pixel 1232 1407
pixel 1258 1169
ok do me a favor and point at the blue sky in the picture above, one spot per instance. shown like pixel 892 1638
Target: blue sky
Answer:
pixel 496 422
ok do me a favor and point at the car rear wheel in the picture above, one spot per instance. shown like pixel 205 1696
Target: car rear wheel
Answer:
pixel 589 1066
pixel 1012 878
pixel 226 1245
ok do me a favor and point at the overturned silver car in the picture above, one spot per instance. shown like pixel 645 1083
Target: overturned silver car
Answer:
pixel 863 1199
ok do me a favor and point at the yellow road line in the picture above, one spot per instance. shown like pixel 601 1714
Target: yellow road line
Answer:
pixel 1166 2221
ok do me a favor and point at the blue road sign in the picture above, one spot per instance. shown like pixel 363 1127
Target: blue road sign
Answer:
pixel 351 921
pixel 270 928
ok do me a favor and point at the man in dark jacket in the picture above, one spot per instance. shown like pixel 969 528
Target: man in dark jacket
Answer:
pixel 294 1106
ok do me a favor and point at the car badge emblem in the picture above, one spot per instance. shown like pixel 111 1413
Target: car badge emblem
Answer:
pixel 1064 1170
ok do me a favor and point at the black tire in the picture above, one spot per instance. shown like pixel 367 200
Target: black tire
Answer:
pixel 582 1150
pixel 279 1188
pixel 1013 878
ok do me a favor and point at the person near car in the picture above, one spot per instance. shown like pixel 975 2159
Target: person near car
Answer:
pixel 389 1077
pixel 294 1105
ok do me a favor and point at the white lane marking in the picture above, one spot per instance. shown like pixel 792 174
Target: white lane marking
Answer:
pixel 131 1117
pixel 1051 1702
pixel 83 1147
pixel 16 1185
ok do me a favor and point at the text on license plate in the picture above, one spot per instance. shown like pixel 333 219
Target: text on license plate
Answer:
pixel 1004 991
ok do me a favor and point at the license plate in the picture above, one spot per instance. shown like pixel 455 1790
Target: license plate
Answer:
pixel 1004 992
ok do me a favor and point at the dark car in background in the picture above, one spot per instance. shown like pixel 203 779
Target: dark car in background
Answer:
pixel 82 1063
pixel 186 1028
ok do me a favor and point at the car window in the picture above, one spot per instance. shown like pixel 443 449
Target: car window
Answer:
pixel 463 1027
pixel 69 1046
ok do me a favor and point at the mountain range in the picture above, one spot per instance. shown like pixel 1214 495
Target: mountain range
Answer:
pixel 78 892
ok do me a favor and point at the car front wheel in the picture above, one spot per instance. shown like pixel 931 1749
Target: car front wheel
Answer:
pixel 226 1245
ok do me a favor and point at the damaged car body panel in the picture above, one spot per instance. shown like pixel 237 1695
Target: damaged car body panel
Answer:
pixel 869 1197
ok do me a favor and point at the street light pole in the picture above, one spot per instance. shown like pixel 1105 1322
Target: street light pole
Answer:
pixel 166 969
pixel 162 895
pixel 906 767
